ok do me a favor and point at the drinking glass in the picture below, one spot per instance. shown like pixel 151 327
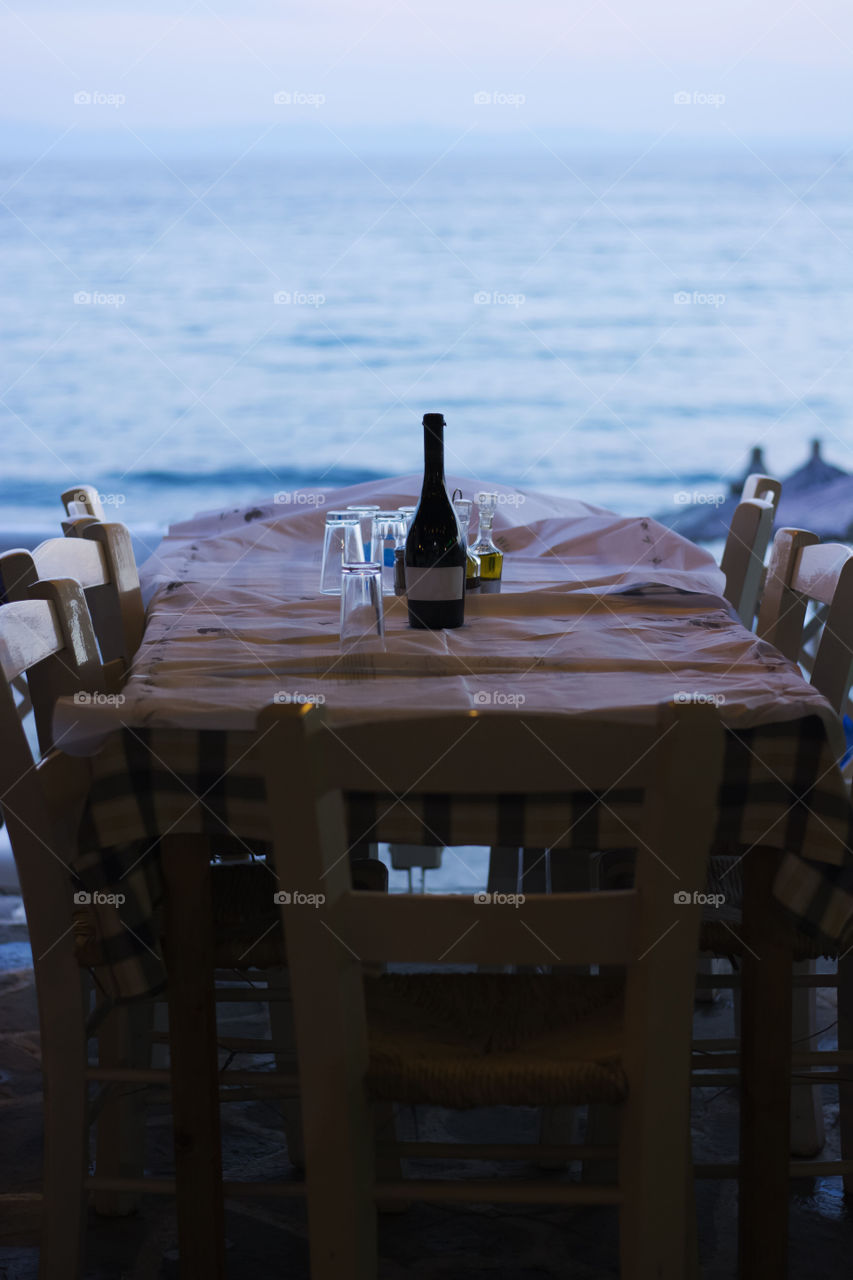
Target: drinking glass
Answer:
pixel 462 507
pixel 365 515
pixel 387 533
pixel 362 618
pixel 408 512
pixel 341 541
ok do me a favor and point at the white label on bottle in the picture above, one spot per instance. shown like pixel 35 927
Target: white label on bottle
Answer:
pixel 435 584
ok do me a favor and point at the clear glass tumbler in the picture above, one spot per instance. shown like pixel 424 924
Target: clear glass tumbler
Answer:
pixel 341 541
pixel 387 533
pixel 365 514
pixel 362 617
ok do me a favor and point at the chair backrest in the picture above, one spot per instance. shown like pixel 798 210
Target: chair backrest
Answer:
pixel 101 559
pixel 42 800
pixel 670 766
pixel 767 488
pixel 803 570
pixel 83 500
pixel 73 667
pixel 743 555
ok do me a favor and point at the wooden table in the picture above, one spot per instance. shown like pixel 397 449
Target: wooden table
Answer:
pixel 235 618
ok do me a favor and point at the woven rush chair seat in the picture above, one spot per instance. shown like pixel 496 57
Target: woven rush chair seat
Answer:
pixel 485 1039
pixel 721 941
pixel 247 919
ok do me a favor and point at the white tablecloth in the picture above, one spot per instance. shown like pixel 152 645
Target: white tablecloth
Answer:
pixel 590 615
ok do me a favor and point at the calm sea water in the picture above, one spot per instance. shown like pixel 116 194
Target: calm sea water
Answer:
pixel 531 297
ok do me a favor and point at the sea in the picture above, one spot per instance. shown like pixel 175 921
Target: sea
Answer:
pixel 193 331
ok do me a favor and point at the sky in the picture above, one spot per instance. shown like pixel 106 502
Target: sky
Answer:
pixel 411 68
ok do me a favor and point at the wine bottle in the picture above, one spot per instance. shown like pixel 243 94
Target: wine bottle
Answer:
pixel 435 550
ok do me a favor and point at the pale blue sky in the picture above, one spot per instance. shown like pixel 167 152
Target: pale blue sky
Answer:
pixel 761 68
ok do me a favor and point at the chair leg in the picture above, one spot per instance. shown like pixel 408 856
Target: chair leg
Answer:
pixel 808 1134
pixel 705 967
pixel 388 1165
pixel 192 1044
pixel 124 1040
pixel 570 871
pixel 656 1236
pixel 602 1130
pixel 284 1044
pixel 62 1013
pixel 845 1041
pixel 558 1127
pixel 340 1180
pixel 503 878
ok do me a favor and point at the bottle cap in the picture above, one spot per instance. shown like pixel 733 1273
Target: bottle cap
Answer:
pixel 434 420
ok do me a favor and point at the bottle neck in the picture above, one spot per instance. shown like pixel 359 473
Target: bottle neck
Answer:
pixel 433 458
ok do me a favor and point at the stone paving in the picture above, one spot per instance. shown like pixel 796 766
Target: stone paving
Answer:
pixel 267 1239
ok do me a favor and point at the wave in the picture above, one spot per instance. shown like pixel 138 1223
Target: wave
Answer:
pixel 23 490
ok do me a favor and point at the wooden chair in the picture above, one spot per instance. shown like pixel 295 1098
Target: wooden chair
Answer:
pixel 102 561
pixel 746 544
pixel 804 575
pixel 48 641
pixel 83 500
pixel 527 1038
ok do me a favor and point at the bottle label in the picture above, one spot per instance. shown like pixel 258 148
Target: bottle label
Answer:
pixel 435 584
